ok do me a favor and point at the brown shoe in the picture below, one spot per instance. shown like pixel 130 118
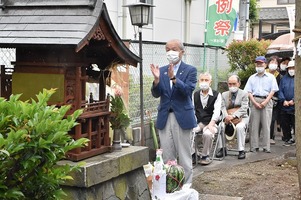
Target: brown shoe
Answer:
pixel 205 160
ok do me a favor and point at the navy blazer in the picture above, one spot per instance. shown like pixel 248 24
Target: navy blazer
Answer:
pixel 179 98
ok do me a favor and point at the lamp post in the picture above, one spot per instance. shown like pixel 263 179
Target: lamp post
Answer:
pixel 139 13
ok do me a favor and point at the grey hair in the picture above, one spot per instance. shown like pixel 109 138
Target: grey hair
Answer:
pixel 205 74
pixel 180 43
pixel 236 76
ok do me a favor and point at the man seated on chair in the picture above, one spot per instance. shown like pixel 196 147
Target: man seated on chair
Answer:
pixel 207 104
pixel 238 101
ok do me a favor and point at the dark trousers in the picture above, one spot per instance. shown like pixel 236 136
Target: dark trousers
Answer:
pixel 275 118
pixel 287 124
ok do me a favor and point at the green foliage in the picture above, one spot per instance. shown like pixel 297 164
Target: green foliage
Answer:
pixel 253 11
pixel 119 118
pixel 33 137
pixel 242 54
pixel 244 75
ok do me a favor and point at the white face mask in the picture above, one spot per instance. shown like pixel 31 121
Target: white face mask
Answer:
pixel 204 85
pixel 259 69
pixel 282 67
pixel 172 56
pixel 291 72
pixel 233 89
pixel 273 66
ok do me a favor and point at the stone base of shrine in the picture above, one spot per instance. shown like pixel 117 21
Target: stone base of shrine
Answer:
pixel 115 175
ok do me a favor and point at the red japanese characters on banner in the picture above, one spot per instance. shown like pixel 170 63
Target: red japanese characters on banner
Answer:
pixel 222 15
pixel 224 6
pixel 222 27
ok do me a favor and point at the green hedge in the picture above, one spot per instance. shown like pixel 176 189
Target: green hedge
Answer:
pixel 33 137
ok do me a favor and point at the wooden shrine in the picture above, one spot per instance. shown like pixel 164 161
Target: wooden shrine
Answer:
pixel 56 44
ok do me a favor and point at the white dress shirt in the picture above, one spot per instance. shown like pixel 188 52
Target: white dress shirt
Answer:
pixel 217 104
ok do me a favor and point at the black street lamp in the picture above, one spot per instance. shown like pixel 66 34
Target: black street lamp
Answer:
pixel 139 13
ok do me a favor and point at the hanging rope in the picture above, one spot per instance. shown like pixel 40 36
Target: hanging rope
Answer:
pixel 296 30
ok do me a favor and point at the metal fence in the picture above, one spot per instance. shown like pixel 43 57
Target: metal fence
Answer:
pixel 215 59
pixel 7 56
pixel 216 63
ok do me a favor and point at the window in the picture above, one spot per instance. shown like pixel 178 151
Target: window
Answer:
pixel 151 10
pixel 285 2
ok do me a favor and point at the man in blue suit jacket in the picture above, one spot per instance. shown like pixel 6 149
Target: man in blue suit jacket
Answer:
pixel 174 84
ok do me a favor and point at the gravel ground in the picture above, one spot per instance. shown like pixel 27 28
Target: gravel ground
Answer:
pixel 275 178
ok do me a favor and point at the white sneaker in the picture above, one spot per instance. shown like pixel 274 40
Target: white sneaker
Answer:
pixel 272 141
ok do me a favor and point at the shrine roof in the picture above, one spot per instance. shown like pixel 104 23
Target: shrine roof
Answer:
pixel 60 22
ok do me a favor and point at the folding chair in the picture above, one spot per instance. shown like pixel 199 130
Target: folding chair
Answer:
pixel 215 141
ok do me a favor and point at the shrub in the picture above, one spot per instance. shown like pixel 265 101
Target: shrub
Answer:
pixel 33 137
pixel 119 118
pixel 242 54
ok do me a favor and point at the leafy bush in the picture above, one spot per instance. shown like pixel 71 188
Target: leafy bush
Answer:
pixel 253 11
pixel 119 118
pixel 242 54
pixel 33 137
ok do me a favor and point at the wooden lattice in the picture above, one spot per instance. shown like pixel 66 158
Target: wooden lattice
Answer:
pixel 94 125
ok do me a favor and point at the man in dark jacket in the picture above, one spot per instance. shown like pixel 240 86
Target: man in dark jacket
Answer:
pixel 207 105
pixel 273 69
pixel 286 98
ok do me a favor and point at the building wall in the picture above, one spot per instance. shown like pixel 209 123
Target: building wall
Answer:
pixel 266 28
pixel 168 22
pixel 268 3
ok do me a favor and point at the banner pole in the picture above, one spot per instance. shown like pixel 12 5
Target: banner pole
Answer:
pixel 205 35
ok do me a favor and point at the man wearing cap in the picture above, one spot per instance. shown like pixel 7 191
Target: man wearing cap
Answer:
pixel 261 87
pixel 238 99
pixel 286 98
